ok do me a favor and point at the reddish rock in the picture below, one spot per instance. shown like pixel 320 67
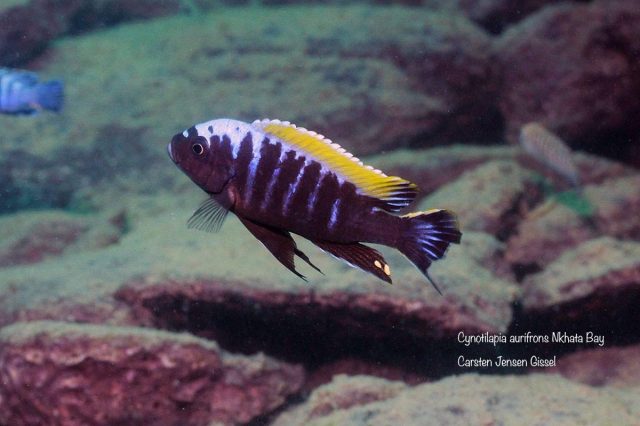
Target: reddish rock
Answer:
pixel 24 33
pixel 493 15
pixel 357 367
pixel 73 374
pixel 44 240
pixel 27 29
pixel 574 68
pixel 35 236
pixel 607 366
pixel 243 299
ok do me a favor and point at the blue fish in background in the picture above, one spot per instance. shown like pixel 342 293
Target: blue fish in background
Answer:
pixel 21 93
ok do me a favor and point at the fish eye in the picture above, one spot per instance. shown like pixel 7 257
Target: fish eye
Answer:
pixel 197 149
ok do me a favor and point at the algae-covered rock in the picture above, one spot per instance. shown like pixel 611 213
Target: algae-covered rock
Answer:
pixel 592 288
pixel 228 287
pixel 536 399
pixel 606 366
pixel 342 393
pixel 551 228
pixel 61 373
pixel 483 196
pixel 599 267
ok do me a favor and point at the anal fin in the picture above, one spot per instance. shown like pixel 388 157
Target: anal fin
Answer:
pixel 359 256
pixel 280 243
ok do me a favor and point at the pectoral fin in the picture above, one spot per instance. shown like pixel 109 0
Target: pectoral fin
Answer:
pixel 359 256
pixel 280 243
pixel 209 216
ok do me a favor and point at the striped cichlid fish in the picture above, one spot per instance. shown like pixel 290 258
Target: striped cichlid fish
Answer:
pixel 21 93
pixel 280 179
pixel 550 151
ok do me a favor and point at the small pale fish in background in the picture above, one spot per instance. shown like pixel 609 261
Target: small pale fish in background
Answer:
pixel 551 154
pixel 280 179
pixel 22 94
pixel 548 150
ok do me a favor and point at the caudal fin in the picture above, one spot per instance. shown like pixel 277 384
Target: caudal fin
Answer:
pixel 50 95
pixel 426 237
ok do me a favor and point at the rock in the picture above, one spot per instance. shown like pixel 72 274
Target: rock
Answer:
pixel 26 27
pixel 59 178
pixel 574 68
pixel 473 399
pixel 590 287
pixel 342 393
pixel 359 367
pixel 260 313
pixel 426 77
pixel 156 277
pixel 609 366
pixel 484 197
pixel 603 263
pixel 551 228
pixel 432 168
pixel 493 15
pixel 61 373
pixel 35 236
pixel 615 200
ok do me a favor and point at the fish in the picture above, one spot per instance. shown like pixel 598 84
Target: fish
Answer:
pixel 22 94
pixel 280 179
pixel 549 151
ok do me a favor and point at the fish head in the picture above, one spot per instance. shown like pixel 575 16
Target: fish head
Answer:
pixel 192 154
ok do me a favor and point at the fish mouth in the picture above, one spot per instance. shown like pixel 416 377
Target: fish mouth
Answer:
pixel 170 152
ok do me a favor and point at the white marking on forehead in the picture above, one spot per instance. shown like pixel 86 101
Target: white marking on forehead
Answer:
pixel 226 126
pixel 236 131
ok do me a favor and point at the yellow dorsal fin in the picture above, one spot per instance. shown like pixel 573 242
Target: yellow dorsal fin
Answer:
pixel 394 192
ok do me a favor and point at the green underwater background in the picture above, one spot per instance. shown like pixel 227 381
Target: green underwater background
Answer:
pixel 112 312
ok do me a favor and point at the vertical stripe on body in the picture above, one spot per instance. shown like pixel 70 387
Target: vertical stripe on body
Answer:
pixel 287 172
pixel 321 204
pixel 335 211
pixel 290 171
pixel 269 157
pixel 252 171
pixel 242 162
pixel 297 197
pixel 347 202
